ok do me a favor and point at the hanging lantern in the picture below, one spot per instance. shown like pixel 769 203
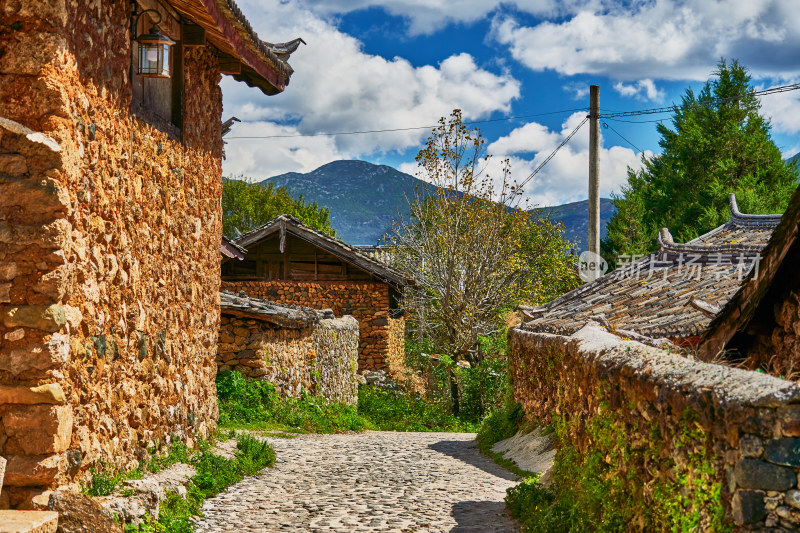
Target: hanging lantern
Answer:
pixel 154 54
pixel 153 60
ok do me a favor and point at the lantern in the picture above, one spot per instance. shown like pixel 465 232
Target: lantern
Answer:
pixel 153 59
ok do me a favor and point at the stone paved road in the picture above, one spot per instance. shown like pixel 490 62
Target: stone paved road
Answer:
pixel 373 481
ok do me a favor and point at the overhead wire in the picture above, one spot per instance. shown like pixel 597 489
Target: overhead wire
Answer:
pixel 608 126
pixel 412 128
pixel 712 102
pixel 615 116
pixel 552 154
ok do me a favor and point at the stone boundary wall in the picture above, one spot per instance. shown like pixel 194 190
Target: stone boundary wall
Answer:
pixel 109 250
pixel 368 302
pixel 321 359
pixel 725 439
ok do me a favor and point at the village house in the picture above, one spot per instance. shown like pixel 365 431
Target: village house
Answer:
pixel 670 429
pixel 672 294
pixel 110 224
pixel 290 263
pixel 760 325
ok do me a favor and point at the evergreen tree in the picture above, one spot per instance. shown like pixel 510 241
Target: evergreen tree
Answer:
pixel 718 144
pixel 247 205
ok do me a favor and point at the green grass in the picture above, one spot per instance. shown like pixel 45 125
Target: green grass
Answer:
pixel 105 480
pixel 213 475
pixel 391 410
pixel 256 406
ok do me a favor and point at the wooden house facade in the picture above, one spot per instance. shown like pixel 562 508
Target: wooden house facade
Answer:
pixel 290 263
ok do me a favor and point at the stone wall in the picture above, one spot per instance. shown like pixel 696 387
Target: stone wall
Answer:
pixel 109 249
pixel 321 359
pixel 367 302
pixel 681 442
pixel 776 347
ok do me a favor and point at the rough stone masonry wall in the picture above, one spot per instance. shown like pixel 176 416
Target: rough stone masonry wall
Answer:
pixel 367 302
pixel 666 429
pixel 321 359
pixel 777 351
pixel 109 239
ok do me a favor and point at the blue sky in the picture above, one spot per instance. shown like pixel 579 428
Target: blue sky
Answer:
pixel 373 64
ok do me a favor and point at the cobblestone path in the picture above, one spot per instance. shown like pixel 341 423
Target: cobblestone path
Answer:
pixel 373 481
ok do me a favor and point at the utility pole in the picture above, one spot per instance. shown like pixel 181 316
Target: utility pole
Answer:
pixel 594 170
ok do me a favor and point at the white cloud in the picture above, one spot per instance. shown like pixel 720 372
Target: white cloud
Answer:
pixel 579 90
pixel 427 16
pixel 641 90
pixel 565 177
pixel 660 39
pixel 264 158
pixel 339 87
pixel 783 109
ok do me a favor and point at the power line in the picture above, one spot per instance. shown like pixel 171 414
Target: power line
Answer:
pixel 608 126
pixel 388 130
pixel 712 102
pixel 553 153
pixel 610 116
pixel 659 120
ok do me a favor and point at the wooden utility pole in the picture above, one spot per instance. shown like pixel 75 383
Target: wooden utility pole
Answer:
pixel 594 169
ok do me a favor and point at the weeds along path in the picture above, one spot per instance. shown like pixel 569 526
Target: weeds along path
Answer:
pixel 373 481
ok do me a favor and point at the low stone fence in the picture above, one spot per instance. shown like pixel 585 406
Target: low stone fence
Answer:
pixel 672 443
pixel 320 358
pixel 368 302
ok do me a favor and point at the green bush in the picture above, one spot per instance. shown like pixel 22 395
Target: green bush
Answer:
pixel 256 405
pixel 480 386
pixel 540 510
pixel 390 410
pixel 213 475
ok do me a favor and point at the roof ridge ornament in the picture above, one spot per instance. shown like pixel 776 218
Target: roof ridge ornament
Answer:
pixel 665 238
pixel 746 219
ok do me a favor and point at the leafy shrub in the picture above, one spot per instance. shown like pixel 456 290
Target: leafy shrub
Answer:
pixel 256 404
pixel 481 388
pixel 400 411
pixel 500 424
pixel 213 475
pixel 540 510
pixel 104 481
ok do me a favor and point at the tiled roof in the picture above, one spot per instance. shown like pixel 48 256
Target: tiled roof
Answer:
pixel 350 254
pixel 231 250
pixel 379 253
pixel 672 293
pixel 262 64
pixel 287 316
pixel 756 297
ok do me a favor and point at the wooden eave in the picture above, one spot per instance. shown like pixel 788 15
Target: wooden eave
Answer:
pixel 229 32
pixel 327 243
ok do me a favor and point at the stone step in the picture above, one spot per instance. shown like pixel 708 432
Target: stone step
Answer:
pixel 28 521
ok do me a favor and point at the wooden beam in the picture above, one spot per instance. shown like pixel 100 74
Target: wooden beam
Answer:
pixel 193 35
pixel 229 65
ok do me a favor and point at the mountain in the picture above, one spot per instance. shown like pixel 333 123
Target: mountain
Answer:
pixel 575 216
pixel 365 198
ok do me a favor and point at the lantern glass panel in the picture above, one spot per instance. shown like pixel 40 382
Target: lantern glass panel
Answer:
pixel 153 60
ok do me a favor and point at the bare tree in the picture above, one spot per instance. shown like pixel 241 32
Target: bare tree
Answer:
pixel 465 244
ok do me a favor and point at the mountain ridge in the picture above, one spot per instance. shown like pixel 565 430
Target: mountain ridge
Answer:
pixel 365 198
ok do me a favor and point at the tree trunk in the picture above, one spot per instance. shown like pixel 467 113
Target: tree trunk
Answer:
pixel 454 390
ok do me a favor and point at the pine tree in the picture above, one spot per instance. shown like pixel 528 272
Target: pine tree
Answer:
pixel 718 144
